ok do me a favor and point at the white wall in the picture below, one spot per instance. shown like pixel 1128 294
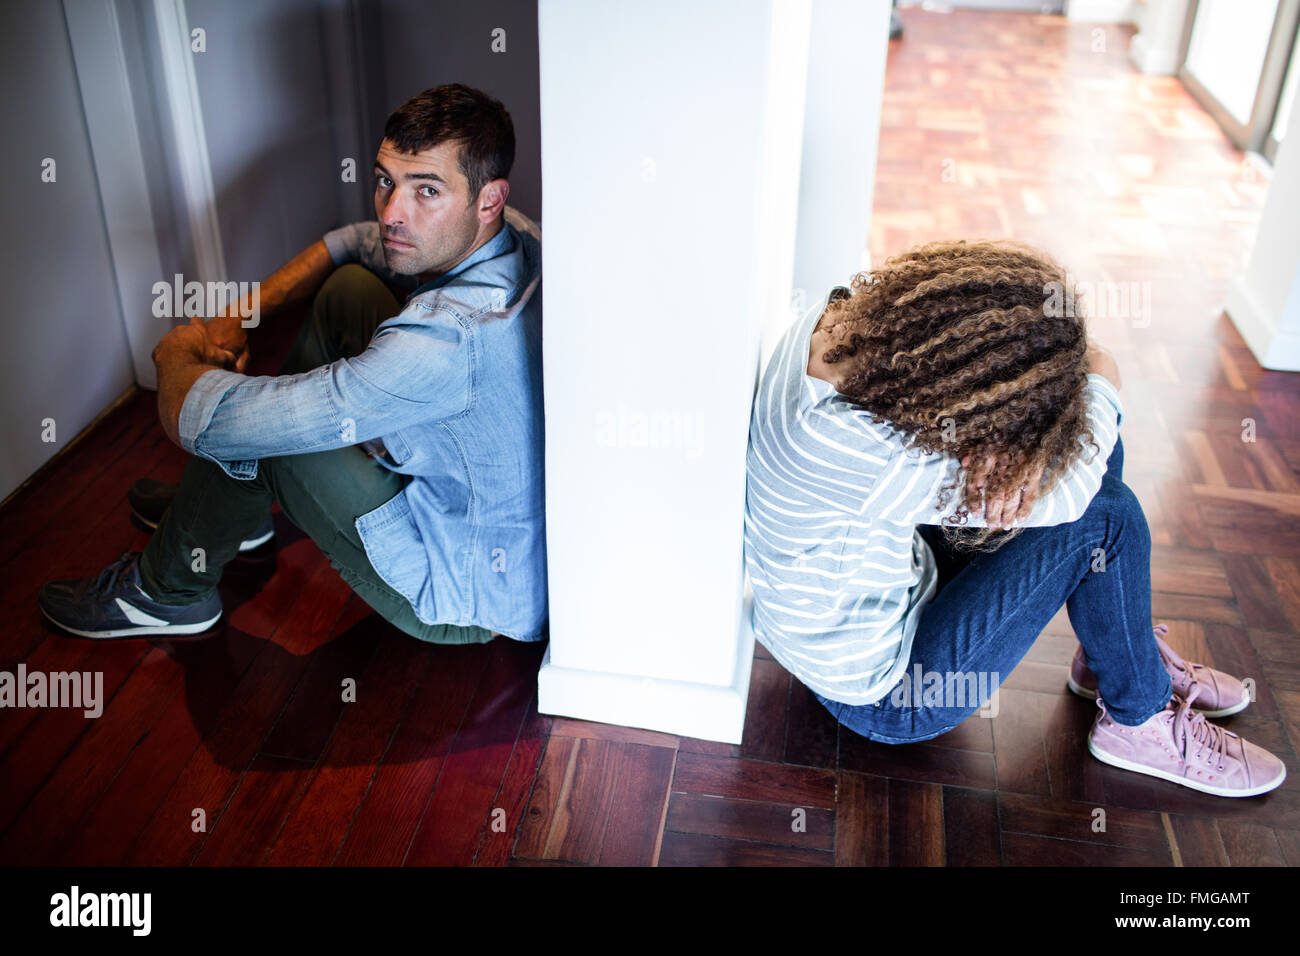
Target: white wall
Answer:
pixel 1102 11
pixel 1158 42
pixel 672 138
pixel 1264 301
pixel 846 76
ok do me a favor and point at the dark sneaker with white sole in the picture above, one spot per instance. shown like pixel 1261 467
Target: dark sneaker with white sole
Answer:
pixel 149 500
pixel 115 605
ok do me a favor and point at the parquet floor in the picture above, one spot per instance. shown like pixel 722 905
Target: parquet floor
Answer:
pixel 994 125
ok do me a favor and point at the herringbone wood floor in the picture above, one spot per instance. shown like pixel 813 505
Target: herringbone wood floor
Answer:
pixel 994 125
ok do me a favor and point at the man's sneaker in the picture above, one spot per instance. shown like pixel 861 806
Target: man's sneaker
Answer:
pixel 1180 745
pixel 1220 694
pixel 115 605
pixel 149 499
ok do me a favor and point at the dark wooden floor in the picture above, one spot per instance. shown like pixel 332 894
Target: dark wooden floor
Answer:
pixel 994 125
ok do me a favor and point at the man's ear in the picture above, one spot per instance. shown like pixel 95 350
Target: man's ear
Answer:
pixel 492 199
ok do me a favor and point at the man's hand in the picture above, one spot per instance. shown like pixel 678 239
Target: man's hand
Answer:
pixel 191 343
pixel 294 282
pixel 181 356
pixel 1003 511
pixel 227 333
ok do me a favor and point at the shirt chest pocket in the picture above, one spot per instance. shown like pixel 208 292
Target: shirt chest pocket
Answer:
pixel 422 450
pixel 399 450
pixel 427 449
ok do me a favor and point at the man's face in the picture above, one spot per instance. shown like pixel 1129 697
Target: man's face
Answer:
pixel 426 217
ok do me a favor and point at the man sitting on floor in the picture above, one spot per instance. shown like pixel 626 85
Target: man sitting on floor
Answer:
pixel 405 440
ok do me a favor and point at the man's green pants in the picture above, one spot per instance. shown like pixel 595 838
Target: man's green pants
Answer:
pixel 322 493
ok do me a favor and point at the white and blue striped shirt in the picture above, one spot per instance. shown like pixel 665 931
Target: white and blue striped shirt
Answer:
pixel 833 499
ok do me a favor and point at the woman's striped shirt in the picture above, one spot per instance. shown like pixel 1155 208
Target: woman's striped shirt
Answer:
pixel 833 499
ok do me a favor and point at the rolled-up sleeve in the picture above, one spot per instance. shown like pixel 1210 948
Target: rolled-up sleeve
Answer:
pixel 418 368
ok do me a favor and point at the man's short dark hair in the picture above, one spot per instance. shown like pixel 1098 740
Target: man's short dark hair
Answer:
pixel 457 113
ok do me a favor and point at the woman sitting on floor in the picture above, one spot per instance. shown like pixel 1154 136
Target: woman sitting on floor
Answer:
pixel 934 468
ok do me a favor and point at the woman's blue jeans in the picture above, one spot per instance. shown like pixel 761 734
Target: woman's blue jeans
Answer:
pixel 991 606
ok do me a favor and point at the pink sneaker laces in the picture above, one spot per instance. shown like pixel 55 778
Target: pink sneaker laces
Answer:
pixel 1194 727
pixel 1167 652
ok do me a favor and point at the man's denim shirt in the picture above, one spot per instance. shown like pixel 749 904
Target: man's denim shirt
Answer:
pixel 453 387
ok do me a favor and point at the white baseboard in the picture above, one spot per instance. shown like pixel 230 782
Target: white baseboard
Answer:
pixel 1275 350
pixel 706 711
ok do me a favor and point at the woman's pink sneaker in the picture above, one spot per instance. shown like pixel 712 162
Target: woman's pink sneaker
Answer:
pixel 1180 745
pixel 1220 695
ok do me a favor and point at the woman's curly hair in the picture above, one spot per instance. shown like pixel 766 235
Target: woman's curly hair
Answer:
pixel 964 348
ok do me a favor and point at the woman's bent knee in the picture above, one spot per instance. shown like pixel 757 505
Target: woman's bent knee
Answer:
pixel 1119 506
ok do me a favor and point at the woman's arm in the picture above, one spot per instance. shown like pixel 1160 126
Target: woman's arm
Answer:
pixel 1004 511
pixel 908 488
pixel 1101 362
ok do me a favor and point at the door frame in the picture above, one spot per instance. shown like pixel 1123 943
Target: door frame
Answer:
pixel 1254 135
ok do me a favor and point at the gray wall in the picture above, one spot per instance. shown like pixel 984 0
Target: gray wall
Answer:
pixel 264 85
pixel 139 37
pixel 291 87
pixel 427 43
pixel 65 354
